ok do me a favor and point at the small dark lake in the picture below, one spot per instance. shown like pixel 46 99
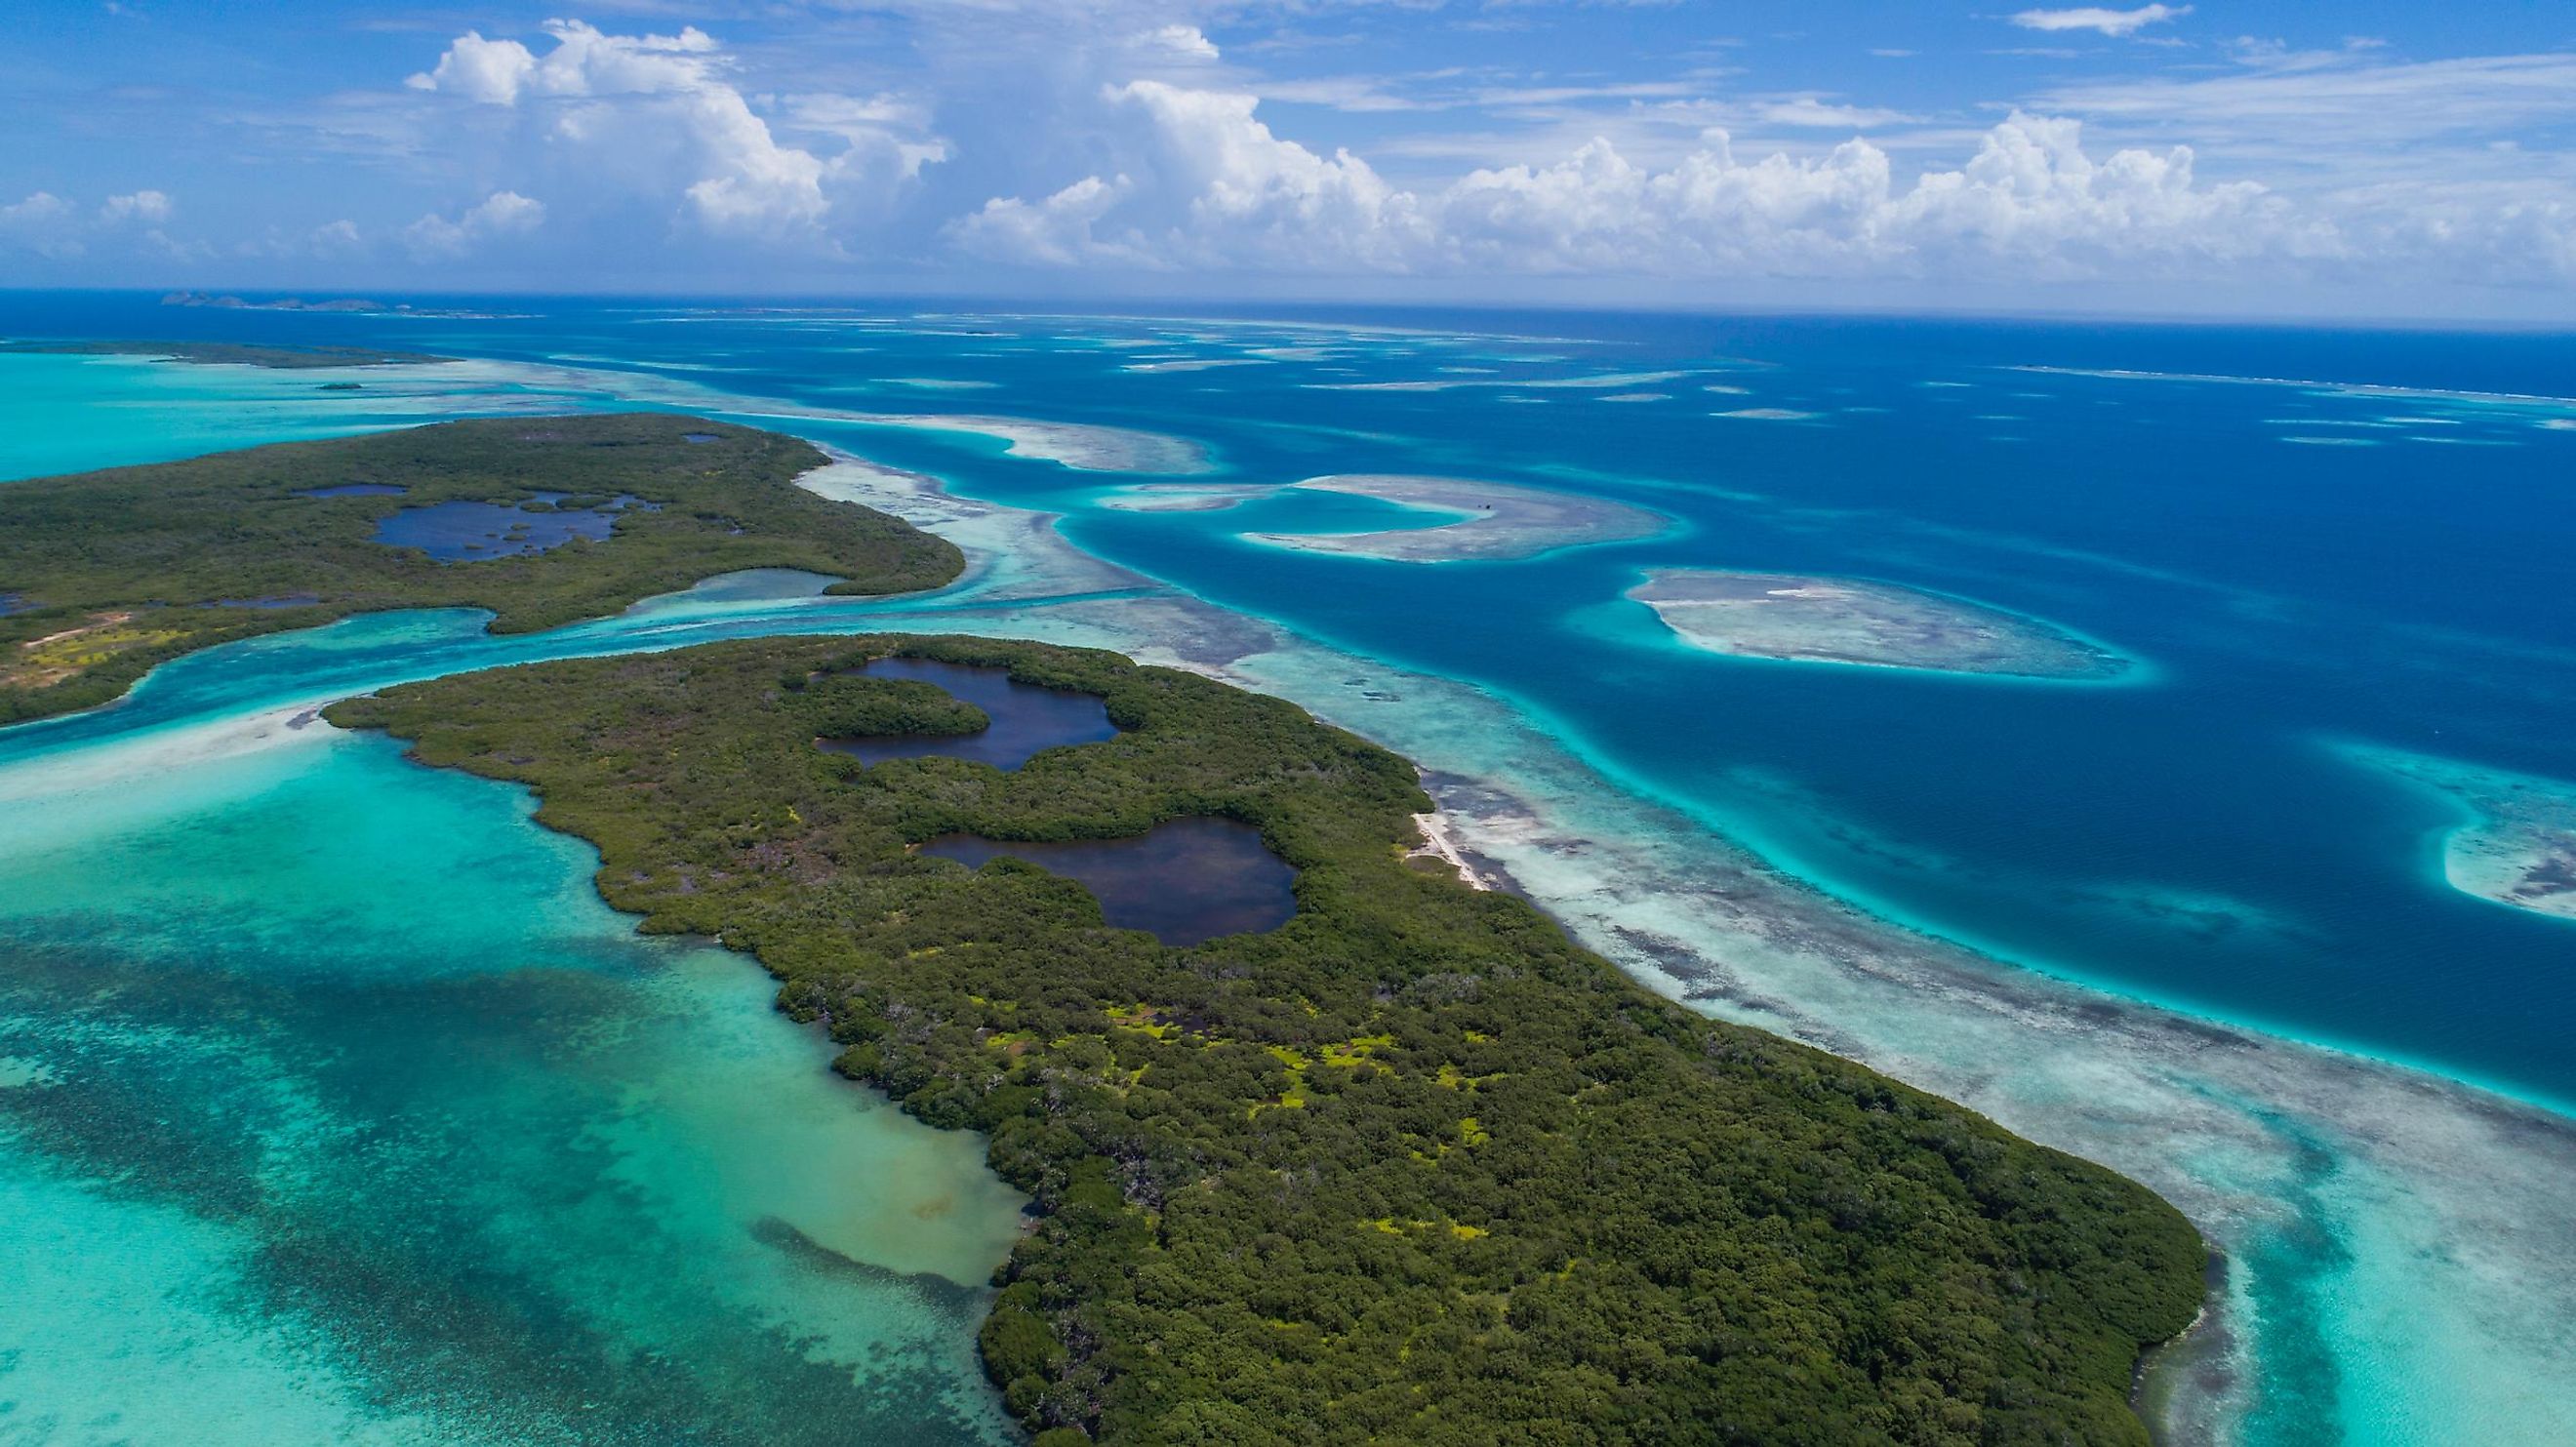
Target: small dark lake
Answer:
pixel 355 489
pixel 1026 718
pixel 455 532
pixel 1185 881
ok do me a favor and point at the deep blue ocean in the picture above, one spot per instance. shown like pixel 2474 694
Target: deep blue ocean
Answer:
pixel 2322 550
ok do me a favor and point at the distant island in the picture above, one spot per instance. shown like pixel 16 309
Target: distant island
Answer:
pixel 542 520
pixel 1803 618
pixel 1409 1167
pixel 298 304
pixel 245 354
pixel 1493 520
pixel 281 304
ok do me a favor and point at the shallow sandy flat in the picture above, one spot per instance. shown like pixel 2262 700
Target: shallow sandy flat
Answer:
pixel 2519 846
pixel 1082 445
pixel 1192 364
pixel 1180 497
pixel 1494 520
pixel 1810 619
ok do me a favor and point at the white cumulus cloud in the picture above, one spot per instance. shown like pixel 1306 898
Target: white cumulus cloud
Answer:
pixel 584 61
pixel 1807 110
pixel 57 228
pixel 2100 20
pixel 1118 136
pixel 149 207
pixel 503 213
pixel 44 223
pixel 1211 187
pixel 1185 40
pixel 1055 231
pixel 336 238
pixel 619 118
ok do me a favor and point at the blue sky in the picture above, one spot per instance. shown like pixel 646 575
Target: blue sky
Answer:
pixel 2348 160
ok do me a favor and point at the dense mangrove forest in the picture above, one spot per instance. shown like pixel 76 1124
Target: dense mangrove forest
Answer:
pixel 105 574
pixel 238 354
pixel 1412 1167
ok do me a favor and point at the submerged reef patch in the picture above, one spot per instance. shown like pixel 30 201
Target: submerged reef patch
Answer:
pixel 1180 497
pixel 1495 520
pixel 1807 619
pixel 2519 846
pixel 1084 446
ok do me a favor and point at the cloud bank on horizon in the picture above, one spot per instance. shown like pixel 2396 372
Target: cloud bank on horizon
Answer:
pixel 2156 154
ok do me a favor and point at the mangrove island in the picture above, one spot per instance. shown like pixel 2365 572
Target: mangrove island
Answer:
pixel 540 520
pixel 1410 1166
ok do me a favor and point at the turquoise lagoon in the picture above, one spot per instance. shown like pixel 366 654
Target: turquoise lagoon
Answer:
pixel 335 1107
pixel 2170 923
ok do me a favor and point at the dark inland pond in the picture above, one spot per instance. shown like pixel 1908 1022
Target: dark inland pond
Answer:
pixel 1026 719
pixel 458 532
pixel 1185 881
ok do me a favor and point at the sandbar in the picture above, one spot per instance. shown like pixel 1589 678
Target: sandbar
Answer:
pixel 1192 364
pixel 2519 846
pixel 1606 382
pixel 1495 520
pixel 1082 445
pixel 1181 497
pixel 1808 619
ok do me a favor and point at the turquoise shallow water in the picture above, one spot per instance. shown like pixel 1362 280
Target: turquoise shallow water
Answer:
pixel 2199 837
pixel 334 1107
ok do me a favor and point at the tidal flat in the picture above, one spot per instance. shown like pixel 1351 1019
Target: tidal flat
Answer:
pixel 1491 521
pixel 2517 844
pixel 1084 446
pixel 1807 619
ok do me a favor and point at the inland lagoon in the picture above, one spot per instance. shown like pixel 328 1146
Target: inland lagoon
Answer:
pixel 355 489
pixel 456 532
pixel 1184 882
pixel 1021 719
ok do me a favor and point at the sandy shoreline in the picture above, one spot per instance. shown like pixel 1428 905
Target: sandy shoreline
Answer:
pixel 1439 841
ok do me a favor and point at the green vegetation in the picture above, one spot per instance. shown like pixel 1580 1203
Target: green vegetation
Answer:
pixel 249 354
pixel 113 572
pixel 1411 1168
